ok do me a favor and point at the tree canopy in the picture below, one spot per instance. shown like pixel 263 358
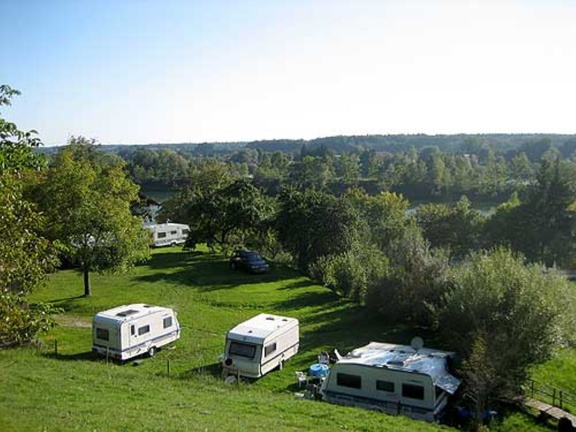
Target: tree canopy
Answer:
pixel 25 256
pixel 86 199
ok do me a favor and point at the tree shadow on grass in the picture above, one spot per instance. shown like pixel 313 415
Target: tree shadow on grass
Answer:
pixel 66 303
pixel 83 356
pixel 300 284
pixel 168 260
pixel 208 272
pixel 213 370
pixel 325 299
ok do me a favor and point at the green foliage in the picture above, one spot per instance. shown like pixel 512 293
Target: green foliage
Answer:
pixel 25 257
pixel 16 146
pixel 543 226
pixel 521 313
pixel 312 224
pixel 221 211
pixel 384 215
pixel 481 381
pixel 412 289
pixel 456 228
pixel 351 273
pixel 311 172
pixel 22 322
pixel 86 199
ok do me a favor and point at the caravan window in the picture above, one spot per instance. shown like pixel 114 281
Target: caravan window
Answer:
pixel 348 380
pixel 102 334
pixel 413 391
pixel 242 350
pixel 185 231
pixel 161 235
pixel 386 386
pixel 168 322
pixel 173 232
pixel 269 349
pixel 143 330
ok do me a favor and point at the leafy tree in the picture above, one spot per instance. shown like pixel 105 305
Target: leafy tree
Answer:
pixel 25 256
pixel 86 198
pixel 519 312
pixel 311 172
pixel 521 170
pixel 480 379
pixel 494 175
pixel 220 211
pixel 239 212
pixel 457 228
pixel 412 289
pixel 543 227
pixel 352 273
pixel 535 149
pixel 311 224
pixel 384 215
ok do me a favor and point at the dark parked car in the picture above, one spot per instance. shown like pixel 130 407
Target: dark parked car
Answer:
pixel 248 261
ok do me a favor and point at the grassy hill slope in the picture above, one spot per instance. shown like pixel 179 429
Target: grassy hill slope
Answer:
pixel 77 391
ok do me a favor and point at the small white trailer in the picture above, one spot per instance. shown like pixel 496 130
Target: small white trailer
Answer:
pixel 168 234
pixel 259 345
pixel 128 331
pixel 395 379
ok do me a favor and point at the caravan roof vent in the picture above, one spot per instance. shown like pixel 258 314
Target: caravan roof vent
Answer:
pixel 127 312
pixel 396 363
pixel 269 318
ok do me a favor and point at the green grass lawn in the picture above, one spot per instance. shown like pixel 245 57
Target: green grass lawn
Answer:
pixel 77 391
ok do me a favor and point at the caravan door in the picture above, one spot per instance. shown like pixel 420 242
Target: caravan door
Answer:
pixel 132 339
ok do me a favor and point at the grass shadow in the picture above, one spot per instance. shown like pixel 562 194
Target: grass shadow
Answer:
pixel 83 356
pixel 212 370
pixel 166 260
pixel 206 272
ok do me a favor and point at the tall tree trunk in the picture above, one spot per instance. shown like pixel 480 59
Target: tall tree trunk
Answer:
pixel 87 291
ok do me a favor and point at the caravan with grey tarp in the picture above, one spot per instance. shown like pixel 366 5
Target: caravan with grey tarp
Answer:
pixel 396 379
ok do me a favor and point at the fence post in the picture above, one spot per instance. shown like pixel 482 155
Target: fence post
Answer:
pixel 55 347
pixel 560 391
pixel 531 388
pixel 553 396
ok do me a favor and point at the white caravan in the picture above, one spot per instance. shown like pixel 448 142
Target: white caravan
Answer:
pixel 168 234
pixel 396 379
pixel 132 330
pixel 259 345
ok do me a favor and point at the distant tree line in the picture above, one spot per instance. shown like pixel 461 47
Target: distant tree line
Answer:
pixel 485 168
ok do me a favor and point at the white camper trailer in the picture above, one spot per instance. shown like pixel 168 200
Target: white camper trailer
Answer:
pixel 132 330
pixel 396 379
pixel 259 345
pixel 168 234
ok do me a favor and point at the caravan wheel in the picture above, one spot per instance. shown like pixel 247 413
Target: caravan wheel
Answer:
pixel 151 351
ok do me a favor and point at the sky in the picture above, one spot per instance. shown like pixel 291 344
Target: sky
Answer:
pixel 143 71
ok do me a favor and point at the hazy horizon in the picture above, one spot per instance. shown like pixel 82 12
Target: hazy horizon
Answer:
pixel 143 72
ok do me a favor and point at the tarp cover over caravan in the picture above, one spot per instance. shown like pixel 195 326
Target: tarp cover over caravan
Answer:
pixel 426 361
pixel 397 379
